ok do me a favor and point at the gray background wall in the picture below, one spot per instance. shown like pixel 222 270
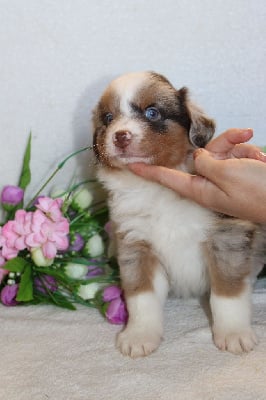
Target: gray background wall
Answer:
pixel 57 56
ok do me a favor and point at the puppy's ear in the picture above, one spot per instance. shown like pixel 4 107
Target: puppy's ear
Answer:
pixel 201 126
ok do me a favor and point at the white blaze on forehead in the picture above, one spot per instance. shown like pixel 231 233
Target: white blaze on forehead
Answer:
pixel 126 87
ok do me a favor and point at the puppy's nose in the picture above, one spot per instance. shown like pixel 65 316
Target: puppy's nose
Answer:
pixel 122 139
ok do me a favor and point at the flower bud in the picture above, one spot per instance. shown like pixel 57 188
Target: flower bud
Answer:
pixel 39 259
pixel 82 199
pixel 8 295
pixel 94 246
pixel 46 283
pixel 88 291
pixel 116 312
pixel 77 243
pixel 76 271
pixel 93 270
pixel 11 195
pixel 111 292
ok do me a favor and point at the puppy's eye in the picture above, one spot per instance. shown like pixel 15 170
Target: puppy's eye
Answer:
pixel 108 118
pixel 152 114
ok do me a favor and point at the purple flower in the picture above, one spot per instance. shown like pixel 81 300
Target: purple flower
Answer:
pixel 8 295
pixel 94 271
pixel 116 312
pixel 12 195
pixel 46 283
pixel 111 292
pixel 77 244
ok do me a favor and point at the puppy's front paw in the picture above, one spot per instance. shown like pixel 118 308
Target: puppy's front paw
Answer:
pixel 135 342
pixel 235 342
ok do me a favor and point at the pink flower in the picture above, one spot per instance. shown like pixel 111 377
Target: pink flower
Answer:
pixel 116 312
pixel 13 234
pixel 7 240
pixel 23 221
pixel 45 228
pixel 8 295
pixel 47 234
pixel 12 195
pixel 51 207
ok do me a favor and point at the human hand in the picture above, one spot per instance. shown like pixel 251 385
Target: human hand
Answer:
pixel 232 144
pixel 231 176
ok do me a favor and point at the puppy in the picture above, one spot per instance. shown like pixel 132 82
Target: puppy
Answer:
pixel 163 240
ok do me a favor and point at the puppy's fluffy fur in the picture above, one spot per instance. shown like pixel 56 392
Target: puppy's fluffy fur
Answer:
pixel 163 240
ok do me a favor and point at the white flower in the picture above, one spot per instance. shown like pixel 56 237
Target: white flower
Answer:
pixel 76 271
pixel 39 259
pixel 82 199
pixel 88 291
pixel 94 246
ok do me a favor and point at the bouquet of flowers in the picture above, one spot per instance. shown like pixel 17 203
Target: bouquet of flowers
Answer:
pixel 53 250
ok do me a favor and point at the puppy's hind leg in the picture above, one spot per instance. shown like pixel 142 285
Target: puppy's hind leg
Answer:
pixel 230 272
pixel 145 287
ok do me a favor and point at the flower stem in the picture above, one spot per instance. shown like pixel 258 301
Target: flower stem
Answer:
pixel 60 166
pixel 78 217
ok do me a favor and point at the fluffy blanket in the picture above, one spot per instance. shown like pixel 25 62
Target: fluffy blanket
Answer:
pixel 49 353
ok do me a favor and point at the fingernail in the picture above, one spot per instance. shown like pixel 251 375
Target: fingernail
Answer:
pixel 262 156
pixel 197 153
pixel 248 131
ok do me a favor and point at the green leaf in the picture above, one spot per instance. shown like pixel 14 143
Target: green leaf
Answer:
pixel 25 291
pixel 17 264
pixel 86 229
pixel 58 275
pixel 58 299
pixel 25 176
pixel 79 260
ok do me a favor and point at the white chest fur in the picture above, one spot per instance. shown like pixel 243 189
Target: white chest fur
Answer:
pixel 175 228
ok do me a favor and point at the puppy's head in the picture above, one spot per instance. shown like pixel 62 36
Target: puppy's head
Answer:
pixel 141 117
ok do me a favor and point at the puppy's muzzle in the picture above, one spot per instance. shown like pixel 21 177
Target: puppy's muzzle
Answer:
pixel 122 139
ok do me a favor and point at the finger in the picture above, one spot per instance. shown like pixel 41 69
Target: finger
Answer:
pixel 190 186
pixel 209 167
pixel 193 187
pixel 227 140
pixel 248 151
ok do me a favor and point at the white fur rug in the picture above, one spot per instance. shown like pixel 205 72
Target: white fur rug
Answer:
pixel 49 353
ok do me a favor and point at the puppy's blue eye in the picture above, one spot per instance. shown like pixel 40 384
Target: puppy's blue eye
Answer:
pixel 152 114
pixel 108 118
